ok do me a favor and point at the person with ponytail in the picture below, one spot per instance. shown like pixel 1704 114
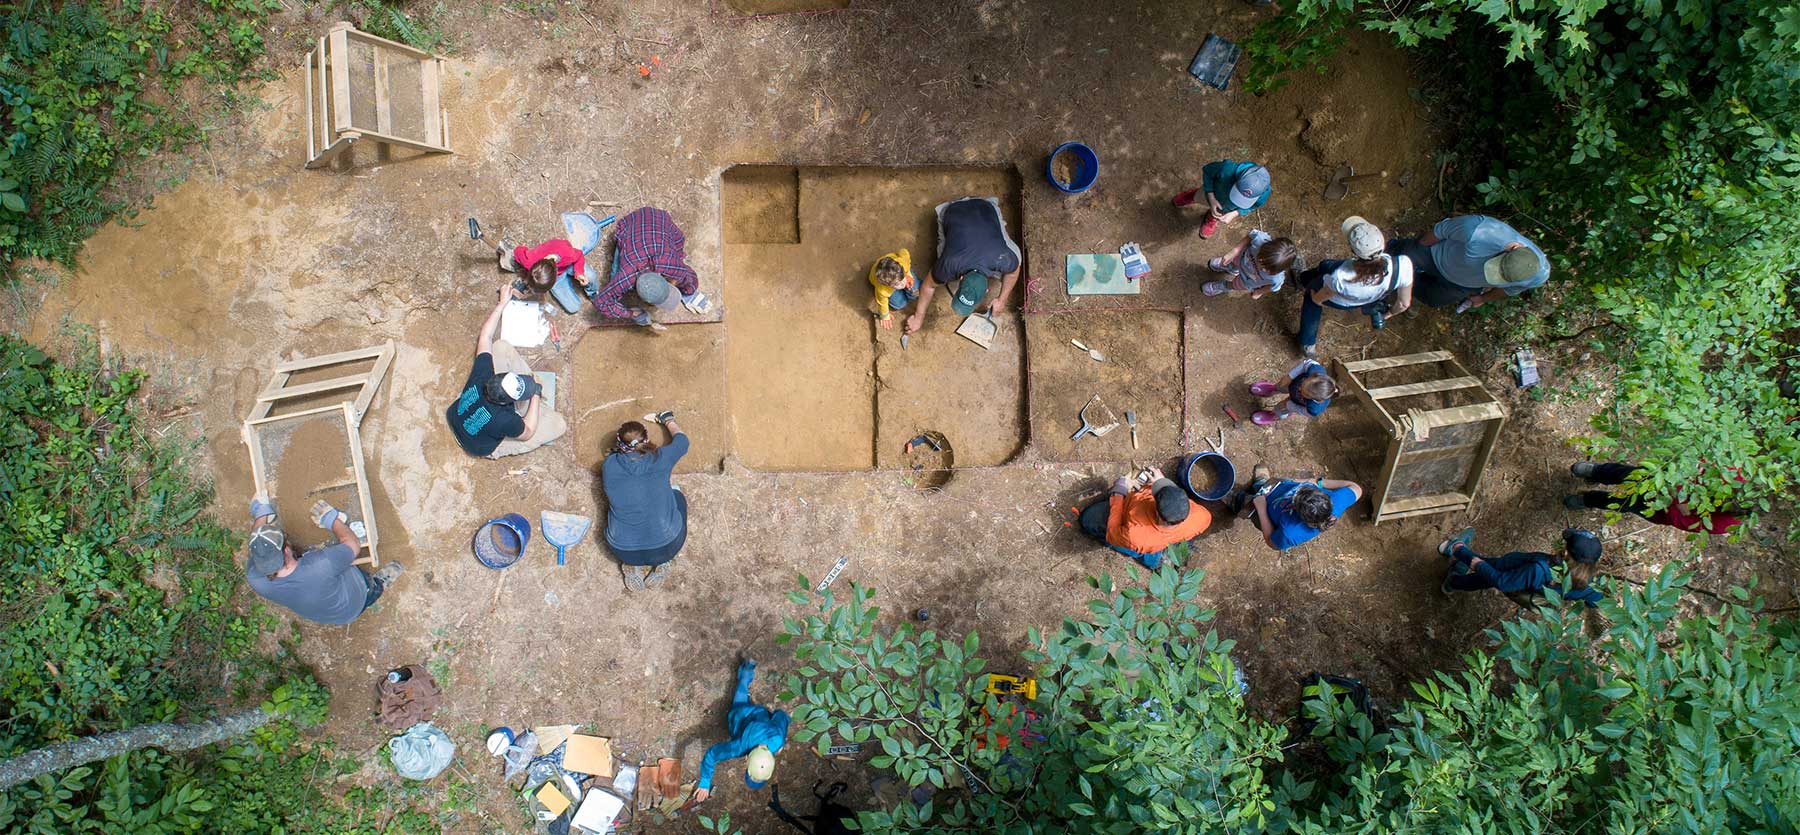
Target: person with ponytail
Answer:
pixel 646 515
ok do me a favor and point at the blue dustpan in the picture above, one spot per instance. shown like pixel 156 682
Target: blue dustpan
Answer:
pixel 563 529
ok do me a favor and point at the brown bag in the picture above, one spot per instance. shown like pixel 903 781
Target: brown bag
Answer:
pixel 403 704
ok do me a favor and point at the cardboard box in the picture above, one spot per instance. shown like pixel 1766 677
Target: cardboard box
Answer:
pixel 589 755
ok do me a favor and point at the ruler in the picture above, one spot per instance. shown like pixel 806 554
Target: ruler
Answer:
pixel 831 576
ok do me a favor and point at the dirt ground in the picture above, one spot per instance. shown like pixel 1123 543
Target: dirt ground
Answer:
pixel 253 260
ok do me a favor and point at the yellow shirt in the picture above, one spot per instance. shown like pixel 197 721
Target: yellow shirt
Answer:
pixel 882 291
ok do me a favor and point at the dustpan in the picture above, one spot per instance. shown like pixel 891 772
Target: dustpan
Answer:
pixel 979 328
pixel 563 529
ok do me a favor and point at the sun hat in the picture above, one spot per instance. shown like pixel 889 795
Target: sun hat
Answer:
pixel 1251 184
pixel 268 548
pixel 1513 266
pixel 759 766
pixel 656 291
pixel 969 292
pixel 1365 238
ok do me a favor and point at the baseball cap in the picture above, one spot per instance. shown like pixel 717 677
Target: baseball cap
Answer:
pixel 1251 184
pixel 969 292
pixel 759 766
pixel 1366 240
pixel 1171 504
pixel 268 549
pixel 519 387
pixel 656 291
pixel 1583 546
pixel 1513 266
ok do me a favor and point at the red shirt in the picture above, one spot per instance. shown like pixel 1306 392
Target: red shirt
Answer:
pixel 567 256
pixel 1677 516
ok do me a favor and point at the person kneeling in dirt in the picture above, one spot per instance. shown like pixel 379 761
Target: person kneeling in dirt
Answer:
pixel 757 734
pixel 973 250
pixel 646 516
pixel 322 585
pixel 485 418
pixel 1294 512
pixel 650 258
pixel 1142 520
pixel 1521 575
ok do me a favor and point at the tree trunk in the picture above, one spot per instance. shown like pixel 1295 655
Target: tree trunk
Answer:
pixel 169 736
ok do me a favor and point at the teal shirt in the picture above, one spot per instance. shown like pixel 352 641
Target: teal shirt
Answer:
pixel 1217 178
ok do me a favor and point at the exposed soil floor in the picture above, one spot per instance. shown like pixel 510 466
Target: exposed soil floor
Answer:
pixel 253 260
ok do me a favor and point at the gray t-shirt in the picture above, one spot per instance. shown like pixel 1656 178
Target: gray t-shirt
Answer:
pixel 1468 241
pixel 972 236
pixel 640 503
pixel 324 588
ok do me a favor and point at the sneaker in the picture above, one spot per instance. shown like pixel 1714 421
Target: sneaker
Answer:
pixel 1186 198
pixel 1209 227
pixel 1463 537
pixel 1583 470
pixel 389 573
pixel 657 576
pixel 1217 265
pixel 634 577
pixel 1259 477
pixel 1575 501
pixel 1264 388
pixel 1214 288
pixel 1310 352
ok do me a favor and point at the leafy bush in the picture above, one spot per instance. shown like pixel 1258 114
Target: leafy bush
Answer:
pixel 1653 153
pixel 90 89
pixel 1660 724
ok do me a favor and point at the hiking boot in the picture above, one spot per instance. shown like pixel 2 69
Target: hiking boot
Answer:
pixel 1464 537
pixel 1210 226
pixel 1575 501
pixel 1583 470
pixel 389 573
pixel 1186 198
pixel 634 576
pixel 657 575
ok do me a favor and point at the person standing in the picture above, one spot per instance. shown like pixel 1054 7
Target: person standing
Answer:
pixel 1232 189
pixel 649 258
pixel 646 516
pixel 973 250
pixel 1523 574
pixel 1675 514
pixel 1258 265
pixel 486 417
pixel 1365 283
pixel 757 734
pixel 1143 516
pixel 322 585
pixel 1469 260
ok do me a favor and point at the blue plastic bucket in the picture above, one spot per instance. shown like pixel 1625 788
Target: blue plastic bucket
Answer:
pixel 1087 168
pixel 1218 476
pixel 501 542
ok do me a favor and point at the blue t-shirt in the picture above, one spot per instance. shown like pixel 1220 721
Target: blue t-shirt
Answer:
pixel 1313 408
pixel 1289 530
pixel 1469 241
pixel 326 587
pixel 480 426
pixel 641 512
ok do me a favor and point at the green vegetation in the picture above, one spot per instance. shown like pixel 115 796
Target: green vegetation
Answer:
pixel 1652 151
pixel 91 89
pixel 1658 724
pixel 118 607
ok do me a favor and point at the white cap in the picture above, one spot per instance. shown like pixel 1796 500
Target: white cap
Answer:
pixel 1366 241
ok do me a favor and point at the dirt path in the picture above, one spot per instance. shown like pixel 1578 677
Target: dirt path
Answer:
pixel 258 260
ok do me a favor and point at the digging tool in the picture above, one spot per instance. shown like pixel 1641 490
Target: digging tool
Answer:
pixel 1231 413
pixel 1131 421
pixel 1086 427
pixel 1217 447
pixel 563 529
pixel 979 328
pixel 1339 186
pixel 903 338
pixel 1093 354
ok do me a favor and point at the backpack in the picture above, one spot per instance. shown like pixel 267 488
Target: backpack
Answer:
pixel 829 820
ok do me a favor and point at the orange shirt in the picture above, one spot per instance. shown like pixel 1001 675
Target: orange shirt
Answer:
pixel 1132 523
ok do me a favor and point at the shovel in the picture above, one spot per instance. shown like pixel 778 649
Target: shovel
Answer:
pixel 563 529
pixel 1342 178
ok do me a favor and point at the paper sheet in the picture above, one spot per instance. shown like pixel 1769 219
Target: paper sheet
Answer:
pixel 1101 274
pixel 522 324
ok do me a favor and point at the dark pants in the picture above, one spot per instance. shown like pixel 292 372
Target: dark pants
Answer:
pixel 1429 285
pixel 1467 580
pixel 1613 473
pixel 659 555
pixel 1092 522
pixel 376 587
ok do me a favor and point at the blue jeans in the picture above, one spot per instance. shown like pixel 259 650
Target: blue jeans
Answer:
pixel 745 672
pixel 1092 522
pixel 902 299
pixel 1311 311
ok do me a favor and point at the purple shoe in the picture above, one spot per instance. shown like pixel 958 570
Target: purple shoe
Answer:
pixel 1264 388
pixel 1264 417
pixel 1214 288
